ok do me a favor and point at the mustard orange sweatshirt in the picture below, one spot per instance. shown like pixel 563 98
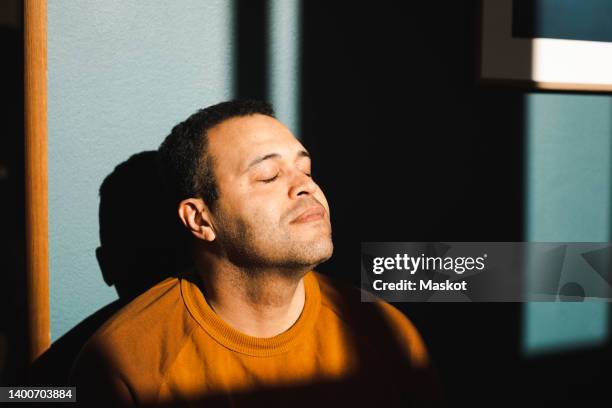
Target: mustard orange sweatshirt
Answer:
pixel 169 348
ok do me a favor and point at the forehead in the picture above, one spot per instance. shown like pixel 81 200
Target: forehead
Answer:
pixel 236 140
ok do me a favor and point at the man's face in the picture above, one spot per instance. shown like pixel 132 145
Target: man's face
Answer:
pixel 270 213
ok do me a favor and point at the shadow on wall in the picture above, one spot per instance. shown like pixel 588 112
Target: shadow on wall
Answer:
pixel 140 237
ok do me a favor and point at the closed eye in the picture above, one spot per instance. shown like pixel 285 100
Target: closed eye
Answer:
pixel 270 179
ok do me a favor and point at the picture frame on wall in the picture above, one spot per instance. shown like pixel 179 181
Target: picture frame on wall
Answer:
pixel 547 44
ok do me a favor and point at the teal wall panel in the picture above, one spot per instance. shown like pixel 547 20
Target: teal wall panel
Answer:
pixel 120 75
pixel 568 191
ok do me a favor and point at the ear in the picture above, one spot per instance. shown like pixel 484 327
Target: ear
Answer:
pixel 195 216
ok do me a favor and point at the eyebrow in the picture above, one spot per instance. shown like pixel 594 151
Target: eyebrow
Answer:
pixel 301 153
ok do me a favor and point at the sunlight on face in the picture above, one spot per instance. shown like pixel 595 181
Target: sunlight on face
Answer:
pixel 270 211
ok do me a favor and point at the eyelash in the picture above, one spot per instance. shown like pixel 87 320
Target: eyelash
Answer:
pixel 270 180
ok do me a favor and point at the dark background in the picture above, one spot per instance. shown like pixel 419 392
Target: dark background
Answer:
pixel 407 146
pixel 415 149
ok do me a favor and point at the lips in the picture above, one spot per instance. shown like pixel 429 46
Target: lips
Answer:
pixel 314 213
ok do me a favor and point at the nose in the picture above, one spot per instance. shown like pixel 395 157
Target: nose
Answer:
pixel 301 184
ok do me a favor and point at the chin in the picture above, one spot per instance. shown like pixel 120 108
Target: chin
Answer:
pixel 320 252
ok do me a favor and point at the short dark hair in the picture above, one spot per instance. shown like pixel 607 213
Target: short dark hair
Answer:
pixel 185 165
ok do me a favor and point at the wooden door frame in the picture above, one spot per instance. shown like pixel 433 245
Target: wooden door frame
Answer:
pixel 36 186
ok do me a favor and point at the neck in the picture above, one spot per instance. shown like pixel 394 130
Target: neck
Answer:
pixel 257 302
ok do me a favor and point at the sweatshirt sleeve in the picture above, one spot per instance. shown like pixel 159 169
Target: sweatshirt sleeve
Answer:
pixel 97 380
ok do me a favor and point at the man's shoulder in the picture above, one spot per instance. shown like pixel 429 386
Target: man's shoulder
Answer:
pixel 350 302
pixel 374 318
pixel 135 337
pixel 339 296
pixel 146 314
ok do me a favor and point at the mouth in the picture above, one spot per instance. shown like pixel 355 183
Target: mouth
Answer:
pixel 311 214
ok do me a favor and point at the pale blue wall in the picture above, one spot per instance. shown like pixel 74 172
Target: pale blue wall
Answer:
pixel 120 74
pixel 568 192
pixel 284 40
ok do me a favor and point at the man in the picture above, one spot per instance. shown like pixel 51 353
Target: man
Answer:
pixel 251 322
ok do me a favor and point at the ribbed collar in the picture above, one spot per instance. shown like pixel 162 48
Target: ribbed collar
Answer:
pixel 243 343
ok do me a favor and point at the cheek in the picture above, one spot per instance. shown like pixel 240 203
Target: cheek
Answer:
pixel 259 212
pixel 236 198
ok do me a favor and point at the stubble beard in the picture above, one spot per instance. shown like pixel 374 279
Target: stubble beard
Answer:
pixel 255 250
